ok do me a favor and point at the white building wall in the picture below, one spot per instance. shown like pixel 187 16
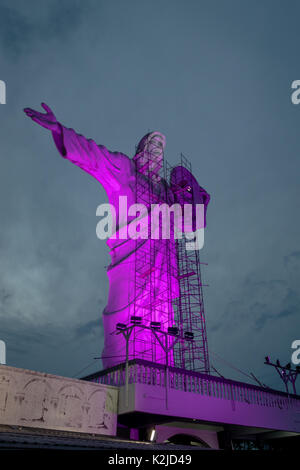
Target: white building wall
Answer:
pixel 41 400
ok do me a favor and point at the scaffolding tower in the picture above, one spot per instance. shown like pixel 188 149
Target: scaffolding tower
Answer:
pixel 161 264
pixel 189 307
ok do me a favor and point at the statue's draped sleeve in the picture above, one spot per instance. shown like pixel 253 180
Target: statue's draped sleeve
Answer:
pixel 105 166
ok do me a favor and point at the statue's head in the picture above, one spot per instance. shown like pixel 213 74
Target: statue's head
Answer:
pixel 149 154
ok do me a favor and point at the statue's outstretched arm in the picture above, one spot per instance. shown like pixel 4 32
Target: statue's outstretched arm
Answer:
pixel 85 153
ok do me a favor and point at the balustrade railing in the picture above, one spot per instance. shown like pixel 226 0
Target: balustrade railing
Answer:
pixel 143 372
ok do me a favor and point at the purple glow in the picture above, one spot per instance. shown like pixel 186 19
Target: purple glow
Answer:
pixel 117 174
pixel 143 274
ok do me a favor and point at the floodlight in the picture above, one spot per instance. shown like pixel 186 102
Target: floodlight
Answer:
pixel 136 320
pixel 188 335
pixel 173 330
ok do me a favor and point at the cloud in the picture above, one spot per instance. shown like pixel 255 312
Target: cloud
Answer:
pixel 21 28
pixel 259 302
pixel 92 327
pixel 112 70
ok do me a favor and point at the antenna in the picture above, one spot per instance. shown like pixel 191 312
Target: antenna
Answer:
pixel 286 373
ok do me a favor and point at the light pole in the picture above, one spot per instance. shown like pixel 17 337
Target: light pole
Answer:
pixel 166 349
pixel 125 330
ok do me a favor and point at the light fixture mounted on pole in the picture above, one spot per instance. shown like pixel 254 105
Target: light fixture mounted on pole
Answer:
pixel 286 373
pixel 155 328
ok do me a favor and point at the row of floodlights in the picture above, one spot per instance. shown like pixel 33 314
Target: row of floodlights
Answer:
pixel 155 325
pixel 288 365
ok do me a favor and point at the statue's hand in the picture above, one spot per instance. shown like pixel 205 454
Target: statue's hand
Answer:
pixel 47 120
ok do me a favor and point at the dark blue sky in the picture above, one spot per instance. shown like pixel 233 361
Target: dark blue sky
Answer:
pixel 213 76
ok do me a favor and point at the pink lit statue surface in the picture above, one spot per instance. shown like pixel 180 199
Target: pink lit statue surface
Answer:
pixel 119 175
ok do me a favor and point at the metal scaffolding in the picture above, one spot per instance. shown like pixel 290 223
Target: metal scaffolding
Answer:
pixel 159 265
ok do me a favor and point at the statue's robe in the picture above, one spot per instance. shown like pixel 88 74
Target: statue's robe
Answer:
pixel 143 273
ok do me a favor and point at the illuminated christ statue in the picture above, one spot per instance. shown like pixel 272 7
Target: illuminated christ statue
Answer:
pixel 158 283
